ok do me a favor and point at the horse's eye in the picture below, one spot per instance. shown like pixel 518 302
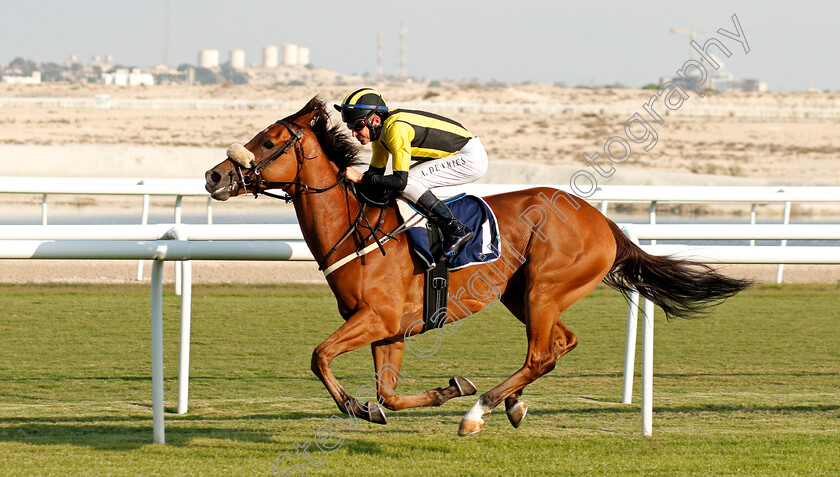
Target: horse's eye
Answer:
pixel 268 145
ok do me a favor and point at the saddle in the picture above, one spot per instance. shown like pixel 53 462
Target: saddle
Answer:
pixel 425 240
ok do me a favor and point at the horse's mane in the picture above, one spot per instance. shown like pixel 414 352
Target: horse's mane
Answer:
pixel 339 148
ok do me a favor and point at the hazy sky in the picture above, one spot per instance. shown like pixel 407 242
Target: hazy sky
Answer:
pixel 793 44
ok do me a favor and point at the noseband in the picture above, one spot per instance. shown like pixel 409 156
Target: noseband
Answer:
pixel 253 177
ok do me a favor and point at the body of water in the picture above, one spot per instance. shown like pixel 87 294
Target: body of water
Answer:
pixel 288 217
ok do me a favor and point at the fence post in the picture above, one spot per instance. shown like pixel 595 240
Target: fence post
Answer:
pixel 44 209
pixel 781 267
pixel 652 215
pixel 144 219
pixel 647 367
pixel 647 351
pixel 630 340
pixel 157 352
pixel 184 340
pixel 630 347
pixel 178 265
pixel 603 207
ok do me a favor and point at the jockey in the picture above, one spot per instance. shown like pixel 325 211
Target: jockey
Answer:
pixel 445 154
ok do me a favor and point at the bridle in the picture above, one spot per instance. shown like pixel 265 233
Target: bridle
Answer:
pixel 253 177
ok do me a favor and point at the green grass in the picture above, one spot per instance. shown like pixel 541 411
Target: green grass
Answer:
pixel 753 389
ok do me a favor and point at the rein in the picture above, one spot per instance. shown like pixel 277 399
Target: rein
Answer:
pixel 253 178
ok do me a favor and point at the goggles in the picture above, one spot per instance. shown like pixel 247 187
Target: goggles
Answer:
pixel 358 124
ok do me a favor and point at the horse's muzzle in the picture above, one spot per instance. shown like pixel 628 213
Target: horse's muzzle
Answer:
pixel 219 186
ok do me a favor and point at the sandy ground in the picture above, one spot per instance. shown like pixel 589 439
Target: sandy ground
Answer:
pixel 125 271
pixel 723 139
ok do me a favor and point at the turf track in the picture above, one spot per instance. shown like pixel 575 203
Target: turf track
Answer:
pixel 753 389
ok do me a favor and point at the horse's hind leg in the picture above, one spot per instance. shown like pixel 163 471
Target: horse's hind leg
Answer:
pixel 387 359
pixel 515 409
pixel 548 340
pixel 564 341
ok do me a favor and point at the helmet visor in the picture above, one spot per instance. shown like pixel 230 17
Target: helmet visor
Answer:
pixel 350 114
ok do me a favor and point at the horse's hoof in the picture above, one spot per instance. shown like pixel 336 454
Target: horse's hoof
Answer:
pixel 470 427
pixel 517 413
pixel 465 386
pixel 375 414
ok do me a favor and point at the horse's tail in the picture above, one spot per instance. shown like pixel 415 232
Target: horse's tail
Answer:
pixel 682 288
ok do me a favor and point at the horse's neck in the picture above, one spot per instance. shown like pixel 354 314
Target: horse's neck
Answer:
pixel 324 217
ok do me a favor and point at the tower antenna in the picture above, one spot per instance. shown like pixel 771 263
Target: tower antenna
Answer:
pixel 403 35
pixel 379 56
pixel 166 35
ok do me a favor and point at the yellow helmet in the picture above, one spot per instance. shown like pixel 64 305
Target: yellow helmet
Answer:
pixel 361 104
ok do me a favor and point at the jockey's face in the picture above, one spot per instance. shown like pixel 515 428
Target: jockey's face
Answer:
pixel 363 135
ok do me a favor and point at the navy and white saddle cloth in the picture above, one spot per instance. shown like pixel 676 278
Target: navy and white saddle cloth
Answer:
pixel 483 247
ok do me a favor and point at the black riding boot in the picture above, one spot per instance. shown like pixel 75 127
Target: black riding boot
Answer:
pixel 455 233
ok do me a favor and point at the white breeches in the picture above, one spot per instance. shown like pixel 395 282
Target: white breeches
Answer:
pixel 463 167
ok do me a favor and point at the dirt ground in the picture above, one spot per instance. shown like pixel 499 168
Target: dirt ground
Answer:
pixel 125 271
pixel 533 134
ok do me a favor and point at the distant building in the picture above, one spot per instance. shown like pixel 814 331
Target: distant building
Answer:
pixel 270 56
pixel 164 70
pixel 34 79
pixel 237 59
pixel 718 79
pixel 124 77
pixel 73 60
pixel 303 56
pixel 725 83
pixel 290 54
pixel 737 85
pixel 208 58
pixel 104 65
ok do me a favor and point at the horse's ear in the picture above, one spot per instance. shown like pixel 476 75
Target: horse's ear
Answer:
pixel 309 114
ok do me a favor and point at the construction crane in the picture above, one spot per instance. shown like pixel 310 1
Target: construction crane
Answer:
pixel 693 33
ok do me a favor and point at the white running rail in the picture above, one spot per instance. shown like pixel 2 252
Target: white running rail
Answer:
pixel 711 255
pixel 183 242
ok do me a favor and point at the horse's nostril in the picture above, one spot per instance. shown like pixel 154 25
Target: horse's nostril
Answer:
pixel 213 177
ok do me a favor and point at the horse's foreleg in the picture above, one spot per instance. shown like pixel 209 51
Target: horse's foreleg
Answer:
pixel 360 329
pixel 387 360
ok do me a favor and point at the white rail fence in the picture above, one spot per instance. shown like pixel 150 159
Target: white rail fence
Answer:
pixel 716 254
pixel 145 188
pixel 183 242
pixel 46 186
pixel 604 195
pixel 159 243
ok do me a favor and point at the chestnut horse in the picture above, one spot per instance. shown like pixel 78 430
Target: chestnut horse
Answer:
pixel 555 249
